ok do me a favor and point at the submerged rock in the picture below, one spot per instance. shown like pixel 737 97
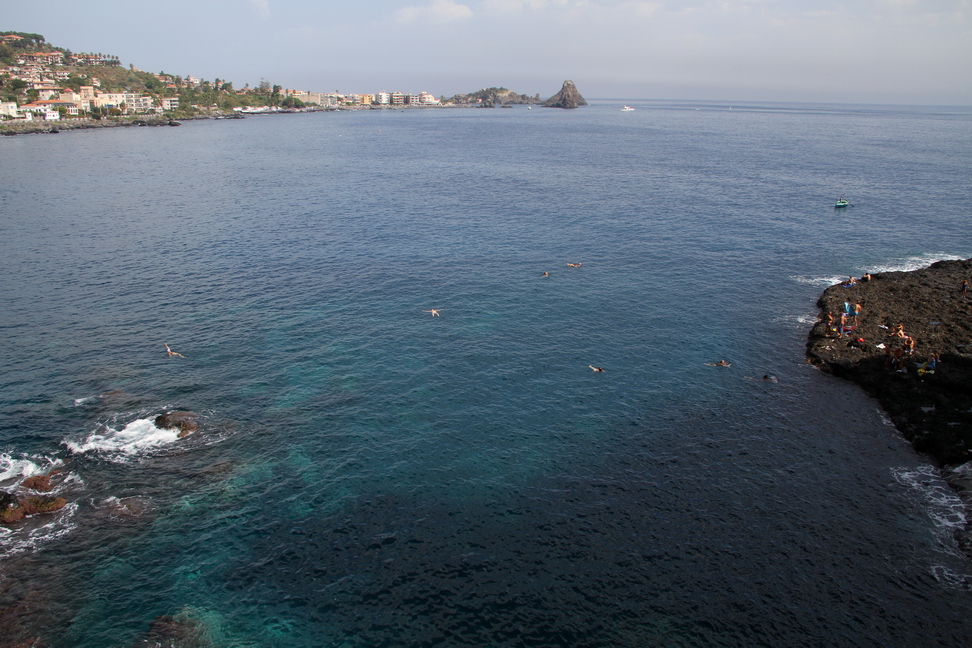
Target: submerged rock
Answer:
pixel 183 420
pixel 568 97
pixel 180 631
pixel 932 409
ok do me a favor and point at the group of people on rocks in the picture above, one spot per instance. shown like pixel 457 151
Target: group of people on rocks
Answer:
pixel 847 321
pixel 899 347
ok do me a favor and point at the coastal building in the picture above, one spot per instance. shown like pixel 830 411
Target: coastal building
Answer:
pixel 398 98
pixel 9 109
pixel 41 58
pixel 170 103
pixel 46 91
pixel 127 102
pixel 412 100
pixel 70 96
pixel 318 98
pixel 425 99
pixel 93 59
pixel 47 110
pixel 383 98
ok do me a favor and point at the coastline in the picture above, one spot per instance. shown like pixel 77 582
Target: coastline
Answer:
pixel 11 128
pixel 932 410
pixel 52 128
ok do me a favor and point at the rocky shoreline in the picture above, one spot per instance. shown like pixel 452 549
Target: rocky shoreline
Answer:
pixel 41 127
pixel 931 407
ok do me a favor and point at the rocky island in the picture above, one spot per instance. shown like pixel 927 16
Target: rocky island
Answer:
pixel 568 97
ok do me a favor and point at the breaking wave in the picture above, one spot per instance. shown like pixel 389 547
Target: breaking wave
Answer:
pixel 120 445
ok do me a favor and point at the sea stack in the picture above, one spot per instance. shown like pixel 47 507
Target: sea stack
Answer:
pixel 568 97
pixel 930 405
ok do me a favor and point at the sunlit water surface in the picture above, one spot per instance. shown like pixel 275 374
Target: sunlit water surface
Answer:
pixel 369 475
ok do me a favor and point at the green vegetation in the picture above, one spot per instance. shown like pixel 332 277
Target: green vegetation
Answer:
pixel 109 76
pixel 9 50
pixel 492 96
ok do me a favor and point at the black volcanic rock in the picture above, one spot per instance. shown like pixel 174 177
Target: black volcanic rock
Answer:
pixel 568 97
pixel 933 411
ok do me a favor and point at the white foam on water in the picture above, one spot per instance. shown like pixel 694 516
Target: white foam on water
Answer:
pixel 965 469
pixel 940 503
pixel 906 264
pixel 885 419
pixel 34 532
pixel 912 263
pixel 25 466
pixel 799 319
pixel 81 402
pixel 137 437
pixel 951 578
pixel 828 280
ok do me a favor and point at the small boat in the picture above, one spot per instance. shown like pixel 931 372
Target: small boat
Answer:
pixel 627 109
pixel 840 203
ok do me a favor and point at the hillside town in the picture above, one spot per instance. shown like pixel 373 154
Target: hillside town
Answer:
pixel 41 82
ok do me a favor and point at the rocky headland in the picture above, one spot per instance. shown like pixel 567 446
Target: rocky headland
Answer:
pixel 907 320
pixel 932 409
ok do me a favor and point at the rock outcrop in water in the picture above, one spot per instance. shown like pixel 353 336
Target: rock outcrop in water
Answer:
pixel 13 510
pixel 184 421
pixel 568 97
pixel 932 409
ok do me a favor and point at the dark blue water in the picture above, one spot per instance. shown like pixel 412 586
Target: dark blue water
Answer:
pixel 369 475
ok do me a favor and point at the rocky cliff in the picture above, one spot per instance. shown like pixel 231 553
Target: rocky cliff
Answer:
pixel 932 408
pixel 568 97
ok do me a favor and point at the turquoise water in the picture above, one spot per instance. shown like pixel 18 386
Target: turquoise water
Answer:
pixel 369 475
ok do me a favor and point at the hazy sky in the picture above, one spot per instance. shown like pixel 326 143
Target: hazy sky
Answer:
pixel 852 51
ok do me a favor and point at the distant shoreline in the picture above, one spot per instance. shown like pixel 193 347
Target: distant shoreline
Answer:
pixel 18 127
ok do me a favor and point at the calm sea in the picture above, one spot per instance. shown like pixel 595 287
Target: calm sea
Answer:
pixel 369 475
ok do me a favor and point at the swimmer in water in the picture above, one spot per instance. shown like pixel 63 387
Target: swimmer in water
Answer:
pixel 434 312
pixel 575 265
pixel 546 274
pixel 596 369
pixel 721 363
pixel 172 353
